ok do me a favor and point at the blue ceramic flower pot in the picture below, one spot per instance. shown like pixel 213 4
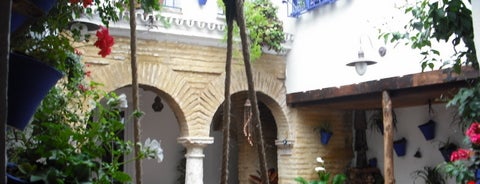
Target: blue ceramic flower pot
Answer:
pixel 325 137
pixel 428 130
pixel 202 2
pixel 17 19
pixel 29 81
pixel 400 147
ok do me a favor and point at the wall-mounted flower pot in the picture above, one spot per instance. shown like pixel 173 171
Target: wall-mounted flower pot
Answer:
pixel 400 147
pixel 447 150
pixel 325 137
pixel 202 2
pixel 29 81
pixel 18 19
pixel 372 162
pixel 428 129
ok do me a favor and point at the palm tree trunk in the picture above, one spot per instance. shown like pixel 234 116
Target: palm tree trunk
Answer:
pixel 258 135
pixel 226 105
pixel 136 104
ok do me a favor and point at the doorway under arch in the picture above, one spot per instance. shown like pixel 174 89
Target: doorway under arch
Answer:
pixel 243 160
pixel 156 123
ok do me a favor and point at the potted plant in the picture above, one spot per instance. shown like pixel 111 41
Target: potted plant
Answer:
pixel 376 120
pixel 45 42
pixel 429 175
pixel 324 177
pixel 325 131
pixel 447 148
pixel 202 2
pixel 400 146
pixel 428 129
pixel 74 136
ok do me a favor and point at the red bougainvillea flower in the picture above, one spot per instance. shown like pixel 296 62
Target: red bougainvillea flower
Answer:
pixel 87 3
pixel 471 182
pixel 104 41
pixel 473 133
pixel 460 154
pixel 82 88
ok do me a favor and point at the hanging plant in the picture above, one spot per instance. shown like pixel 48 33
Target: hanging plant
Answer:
pixel 376 120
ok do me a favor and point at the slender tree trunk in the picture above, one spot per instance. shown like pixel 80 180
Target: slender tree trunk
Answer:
pixel 226 105
pixel 136 104
pixel 258 135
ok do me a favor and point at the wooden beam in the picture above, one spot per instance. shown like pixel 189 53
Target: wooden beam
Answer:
pixel 388 138
pixel 409 90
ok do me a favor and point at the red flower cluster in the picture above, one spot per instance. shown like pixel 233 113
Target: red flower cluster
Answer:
pixel 471 182
pixel 460 154
pixel 104 41
pixel 473 133
pixel 86 3
pixel 83 88
pixel 88 73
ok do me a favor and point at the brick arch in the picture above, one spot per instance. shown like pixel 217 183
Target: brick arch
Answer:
pixel 270 91
pixel 154 76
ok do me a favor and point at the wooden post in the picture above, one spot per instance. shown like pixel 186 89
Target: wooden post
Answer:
pixel 6 7
pixel 388 138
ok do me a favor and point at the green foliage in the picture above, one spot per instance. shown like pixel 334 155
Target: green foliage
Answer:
pixel 430 175
pixel 263 26
pixel 324 178
pixel 448 21
pixel 265 29
pixel 49 37
pixel 459 170
pixel 74 137
pixel 467 102
pixel 325 127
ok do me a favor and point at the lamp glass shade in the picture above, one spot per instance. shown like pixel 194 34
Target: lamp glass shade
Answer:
pixel 361 67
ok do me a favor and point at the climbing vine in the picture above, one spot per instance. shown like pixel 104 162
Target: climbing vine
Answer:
pixel 265 29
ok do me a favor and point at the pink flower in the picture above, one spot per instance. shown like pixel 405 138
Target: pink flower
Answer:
pixel 473 133
pixel 460 154
pixel 78 52
pixel 104 41
pixel 88 73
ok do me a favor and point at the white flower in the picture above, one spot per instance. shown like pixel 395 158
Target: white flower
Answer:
pixel 320 160
pixel 123 101
pixel 318 169
pixel 153 149
pixel 42 160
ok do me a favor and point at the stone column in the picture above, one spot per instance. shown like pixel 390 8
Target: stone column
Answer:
pixel 194 156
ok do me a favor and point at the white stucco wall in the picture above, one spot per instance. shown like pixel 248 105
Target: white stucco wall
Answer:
pixel 407 126
pixel 326 39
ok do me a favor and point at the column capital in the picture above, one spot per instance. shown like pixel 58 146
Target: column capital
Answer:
pixel 195 141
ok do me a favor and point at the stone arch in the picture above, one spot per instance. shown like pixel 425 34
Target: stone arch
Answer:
pixel 151 76
pixel 270 91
